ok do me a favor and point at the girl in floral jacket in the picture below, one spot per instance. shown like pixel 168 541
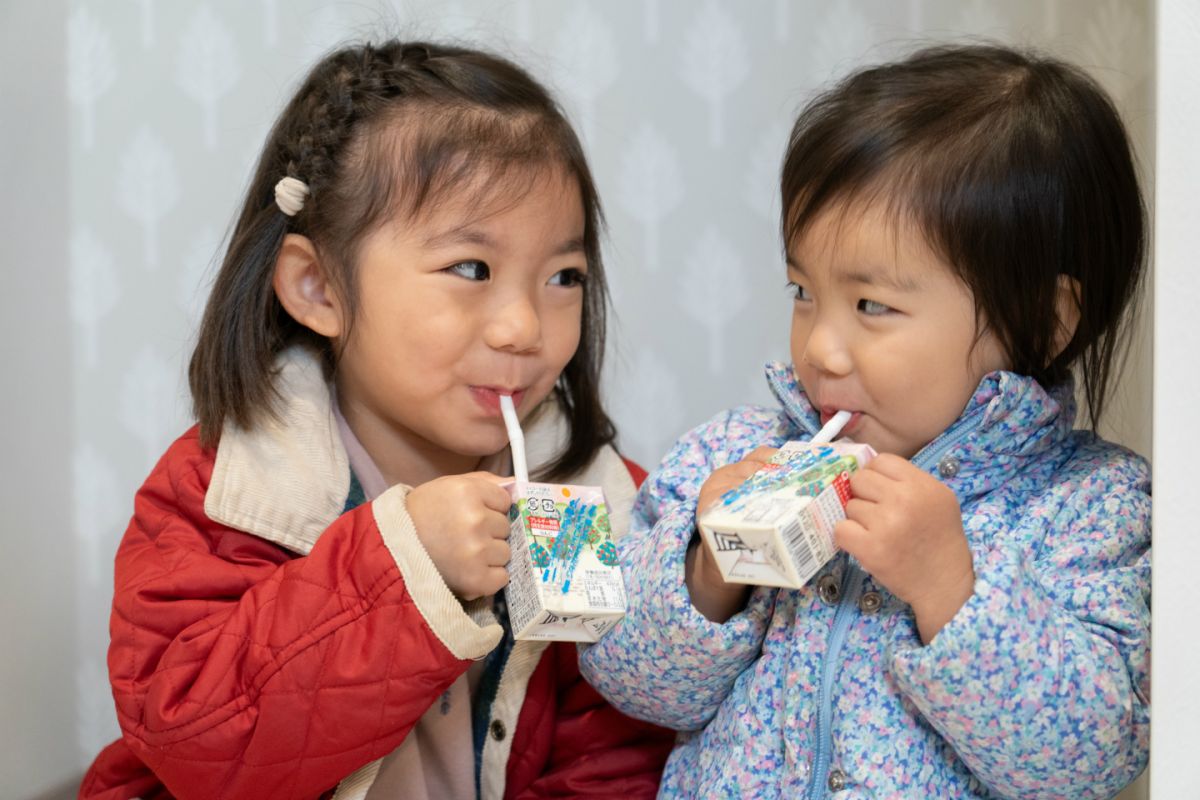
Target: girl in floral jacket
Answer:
pixel 963 230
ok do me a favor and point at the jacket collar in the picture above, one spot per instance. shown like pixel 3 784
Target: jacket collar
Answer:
pixel 288 478
pixel 1008 419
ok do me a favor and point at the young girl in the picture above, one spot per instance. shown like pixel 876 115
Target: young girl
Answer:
pixel 307 596
pixel 962 229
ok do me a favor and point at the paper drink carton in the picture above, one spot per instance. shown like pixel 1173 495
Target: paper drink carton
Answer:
pixel 564 578
pixel 776 528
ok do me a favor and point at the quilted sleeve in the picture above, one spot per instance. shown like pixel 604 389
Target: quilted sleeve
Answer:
pixel 239 670
pixel 665 662
pixel 1041 682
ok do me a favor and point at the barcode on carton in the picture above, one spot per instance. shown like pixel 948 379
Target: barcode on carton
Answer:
pixel 804 557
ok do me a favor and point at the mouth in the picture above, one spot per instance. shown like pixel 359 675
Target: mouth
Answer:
pixel 847 429
pixel 488 397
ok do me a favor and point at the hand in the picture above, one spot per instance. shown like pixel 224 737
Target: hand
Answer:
pixel 711 595
pixel 731 476
pixel 462 521
pixel 905 527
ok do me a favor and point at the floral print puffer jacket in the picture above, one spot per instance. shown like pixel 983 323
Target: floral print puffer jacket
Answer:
pixel 1037 688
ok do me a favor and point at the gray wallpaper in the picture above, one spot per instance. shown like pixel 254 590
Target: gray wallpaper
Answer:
pixel 683 106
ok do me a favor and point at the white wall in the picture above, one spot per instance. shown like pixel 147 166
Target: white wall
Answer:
pixel 38 614
pixel 1175 736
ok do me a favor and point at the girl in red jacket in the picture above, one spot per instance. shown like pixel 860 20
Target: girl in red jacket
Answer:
pixel 306 597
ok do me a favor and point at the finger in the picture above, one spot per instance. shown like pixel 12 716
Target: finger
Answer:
pixel 891 466
pixel 496 526
pixel 861 511
pixel 761 454
pixel 490 477
pixel 850 536
pixel 489 581
pixel 725 478
pixel 495 496
pixel 495 580
pixel 740 470
pixel 496 553
pixel 870 486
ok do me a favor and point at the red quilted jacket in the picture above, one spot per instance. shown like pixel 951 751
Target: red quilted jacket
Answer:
pixel 276 663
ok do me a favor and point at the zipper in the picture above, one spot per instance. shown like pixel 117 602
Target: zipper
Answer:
pixel 852 582
pixel 932 453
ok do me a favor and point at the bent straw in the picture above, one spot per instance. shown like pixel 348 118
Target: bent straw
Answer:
pixel 831 428
pixel 516 439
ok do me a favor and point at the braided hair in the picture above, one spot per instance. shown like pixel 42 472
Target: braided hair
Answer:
pixel 377 132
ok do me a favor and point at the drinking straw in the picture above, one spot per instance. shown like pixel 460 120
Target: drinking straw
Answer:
pixel 828 430
pixel 516 439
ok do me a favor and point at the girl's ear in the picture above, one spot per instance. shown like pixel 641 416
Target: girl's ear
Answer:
pixel 1066 309
pixel 303 290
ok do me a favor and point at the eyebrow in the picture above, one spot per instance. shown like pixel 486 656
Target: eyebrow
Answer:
pixel 468 235
pixel 870 277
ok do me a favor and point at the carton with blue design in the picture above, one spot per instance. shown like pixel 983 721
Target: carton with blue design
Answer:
pixel 564 577
pixel 776 528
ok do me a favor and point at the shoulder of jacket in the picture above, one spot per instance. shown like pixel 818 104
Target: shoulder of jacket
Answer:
pixel 186 459
pixel 741 427
pixel 1096 462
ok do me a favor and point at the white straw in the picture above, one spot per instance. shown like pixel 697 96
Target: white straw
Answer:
pixel 516 439
pixel 831 428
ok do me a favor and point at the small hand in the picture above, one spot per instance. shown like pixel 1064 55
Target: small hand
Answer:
pixel 462 521
pixel 711 595
pixel 731 476
pixel 905 527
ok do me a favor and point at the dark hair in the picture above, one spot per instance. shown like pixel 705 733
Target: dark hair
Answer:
pixel 1016 169
pixel 375 131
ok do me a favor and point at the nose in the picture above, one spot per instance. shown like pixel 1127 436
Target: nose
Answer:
pixel 826 350
pixel 515 326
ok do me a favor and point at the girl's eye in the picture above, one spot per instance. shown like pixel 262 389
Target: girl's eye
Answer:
pixel 471 270
pixel 798 292
pixel 872 308
pixel 568 277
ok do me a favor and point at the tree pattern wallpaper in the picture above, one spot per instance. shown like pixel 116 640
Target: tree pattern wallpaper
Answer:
pixel 683 106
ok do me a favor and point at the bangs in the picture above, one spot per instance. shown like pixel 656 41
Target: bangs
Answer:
pixel 944 175
pixel 1018 173
pixel 408 162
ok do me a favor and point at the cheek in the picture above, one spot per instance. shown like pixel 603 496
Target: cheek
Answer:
pixel 438 327
pixel 989 356
pixel 430 347
pixel 564 334
pixel 941 390
pixel 799 339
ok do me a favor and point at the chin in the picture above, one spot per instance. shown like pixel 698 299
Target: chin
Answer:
pixel 881 447
pixel 485 444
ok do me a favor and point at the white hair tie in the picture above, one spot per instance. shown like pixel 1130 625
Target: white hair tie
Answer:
pixel 290 194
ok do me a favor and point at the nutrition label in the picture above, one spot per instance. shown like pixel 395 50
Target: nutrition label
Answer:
pixel 602 591
pixel 521 593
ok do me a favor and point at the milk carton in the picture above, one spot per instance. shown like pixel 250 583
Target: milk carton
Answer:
pixel 564 578
pixel 776 528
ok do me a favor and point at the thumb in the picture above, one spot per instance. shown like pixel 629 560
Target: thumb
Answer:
pixel 499 491
pixel 849 535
